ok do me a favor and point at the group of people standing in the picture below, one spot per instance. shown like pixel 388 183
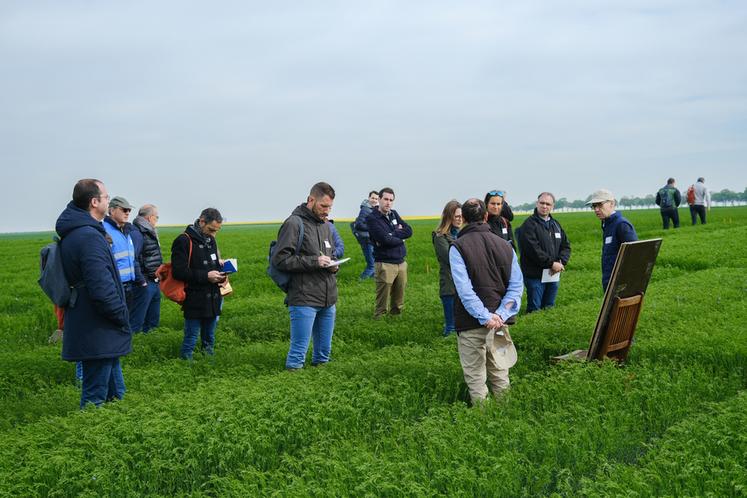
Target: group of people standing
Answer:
pixel 115 267
pixel 481 278
pixel 542 243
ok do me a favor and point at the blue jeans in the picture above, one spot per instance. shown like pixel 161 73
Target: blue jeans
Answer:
pixel 310 322
pixel 102 381
pixel 367 249
pixel 205 328
pixel 539 295
pixel 146 309
pixel 448 304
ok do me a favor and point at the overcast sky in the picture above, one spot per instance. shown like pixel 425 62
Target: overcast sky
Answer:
pixel 244 105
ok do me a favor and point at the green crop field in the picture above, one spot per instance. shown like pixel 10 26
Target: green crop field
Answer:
pixel 389 416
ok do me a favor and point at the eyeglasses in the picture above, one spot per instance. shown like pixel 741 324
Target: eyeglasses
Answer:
pixel 126 210
pixel 596 205
pixel 496 192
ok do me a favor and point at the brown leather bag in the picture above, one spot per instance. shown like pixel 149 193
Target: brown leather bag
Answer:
pixel 170 287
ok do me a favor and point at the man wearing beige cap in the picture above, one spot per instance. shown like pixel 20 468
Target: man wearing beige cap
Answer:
pixel 615 229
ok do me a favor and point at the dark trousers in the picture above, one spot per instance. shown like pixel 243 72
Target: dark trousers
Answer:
pixel 146 310
pixel 102 381
pixel 698 211
pixel 540 295
pixel 670 214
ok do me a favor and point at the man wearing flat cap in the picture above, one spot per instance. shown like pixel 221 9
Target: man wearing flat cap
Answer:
pixel 123 248
pixel 615 230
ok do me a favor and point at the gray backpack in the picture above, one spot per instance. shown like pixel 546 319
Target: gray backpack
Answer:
pixel 281 278
pixel 52 278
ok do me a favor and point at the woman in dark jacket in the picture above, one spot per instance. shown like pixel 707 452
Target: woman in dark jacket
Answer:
pixel 443 237
pixel 498 211
pixel 195 260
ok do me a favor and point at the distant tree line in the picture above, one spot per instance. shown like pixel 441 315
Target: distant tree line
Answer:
pixel 724 197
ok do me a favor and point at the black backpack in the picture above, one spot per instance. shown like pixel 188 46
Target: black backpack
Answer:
pixel 281 278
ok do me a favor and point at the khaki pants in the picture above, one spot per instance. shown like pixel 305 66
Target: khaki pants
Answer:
pixel 476 354
pixel 391 281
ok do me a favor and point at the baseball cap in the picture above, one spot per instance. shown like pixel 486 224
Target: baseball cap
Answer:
pixel 504 353
pixel 120 202
pixel 601 195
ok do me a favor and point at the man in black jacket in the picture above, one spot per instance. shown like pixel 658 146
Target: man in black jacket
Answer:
pixel 668 198
pixel 312 291
pixel 388 232
pixel 545 251
pixel 195 259
pixel 146 311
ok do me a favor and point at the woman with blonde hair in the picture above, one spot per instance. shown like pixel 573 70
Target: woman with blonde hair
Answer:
pixel 443 237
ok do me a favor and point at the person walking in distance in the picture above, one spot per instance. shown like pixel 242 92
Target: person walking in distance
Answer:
pixel 668 199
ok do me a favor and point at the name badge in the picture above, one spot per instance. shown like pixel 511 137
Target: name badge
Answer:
pixel 394 221
pixel 504 230
pixel 557 235
pixel 326 244
pixel 608 240
pixel 213 257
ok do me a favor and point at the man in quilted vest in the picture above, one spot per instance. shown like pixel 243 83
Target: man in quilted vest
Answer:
pixel 488 281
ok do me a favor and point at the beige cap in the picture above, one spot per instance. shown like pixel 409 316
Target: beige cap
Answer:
pixel 504 352
pixel 600 195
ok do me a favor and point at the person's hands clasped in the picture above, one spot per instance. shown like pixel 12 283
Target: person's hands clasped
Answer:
pixel 494 323
pixel 556 267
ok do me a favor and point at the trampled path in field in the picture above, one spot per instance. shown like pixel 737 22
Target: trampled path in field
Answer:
pixel 389 415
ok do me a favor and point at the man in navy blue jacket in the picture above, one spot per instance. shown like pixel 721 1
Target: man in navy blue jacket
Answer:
pixel 388 232
pixel 97 329
pixel 615 230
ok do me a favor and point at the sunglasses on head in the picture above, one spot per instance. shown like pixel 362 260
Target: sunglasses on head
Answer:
pixel 495 192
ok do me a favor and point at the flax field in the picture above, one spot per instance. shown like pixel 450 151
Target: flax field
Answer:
pixel 389 416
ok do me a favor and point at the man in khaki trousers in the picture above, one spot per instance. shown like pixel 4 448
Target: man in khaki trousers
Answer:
pixel 488 281
pixel 388 231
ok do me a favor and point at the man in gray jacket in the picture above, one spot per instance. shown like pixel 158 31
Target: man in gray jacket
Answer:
pixel 312 292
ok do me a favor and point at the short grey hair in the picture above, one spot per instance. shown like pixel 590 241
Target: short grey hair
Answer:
pixel 147 210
